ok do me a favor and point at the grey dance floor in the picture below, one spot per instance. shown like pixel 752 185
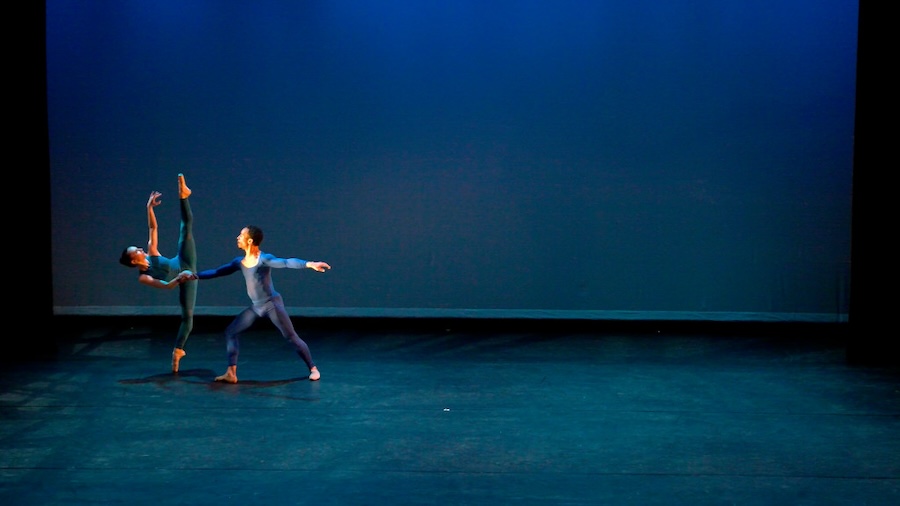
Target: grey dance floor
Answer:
pixel 448 416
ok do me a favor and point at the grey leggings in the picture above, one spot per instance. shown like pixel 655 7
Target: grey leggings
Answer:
pixel 274 309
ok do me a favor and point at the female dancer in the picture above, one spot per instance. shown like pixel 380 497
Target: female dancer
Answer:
pixel 161 272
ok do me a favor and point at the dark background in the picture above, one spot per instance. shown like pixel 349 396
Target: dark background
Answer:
pixel 648 160
pixel 865 308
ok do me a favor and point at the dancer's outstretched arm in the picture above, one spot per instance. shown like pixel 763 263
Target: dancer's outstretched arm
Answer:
pixel 222 270
pixel 292 263
pixel 183 276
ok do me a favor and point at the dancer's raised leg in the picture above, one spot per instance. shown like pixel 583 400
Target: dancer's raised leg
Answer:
pixel 187 257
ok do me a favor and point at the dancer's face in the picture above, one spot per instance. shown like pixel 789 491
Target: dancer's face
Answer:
pixel 243 239
pixel 137 254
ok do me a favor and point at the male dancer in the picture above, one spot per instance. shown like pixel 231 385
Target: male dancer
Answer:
pixel 265 301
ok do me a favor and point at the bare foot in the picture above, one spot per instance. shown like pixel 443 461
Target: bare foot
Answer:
pixel 183 191
pixel 314 374
pixel 230 376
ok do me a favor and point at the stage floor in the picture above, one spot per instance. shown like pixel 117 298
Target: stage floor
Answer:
pixel 447 416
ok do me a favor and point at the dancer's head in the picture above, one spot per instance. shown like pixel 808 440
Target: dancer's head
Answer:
pixel 255 233
pixel 132 256
pixel 250 235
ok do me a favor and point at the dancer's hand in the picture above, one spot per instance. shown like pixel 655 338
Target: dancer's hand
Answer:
pixel 153 201
pixel 181 277
pixel 318 266
pixel 186 275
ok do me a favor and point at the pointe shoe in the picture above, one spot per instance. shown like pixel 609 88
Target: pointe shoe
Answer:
pixel 230 376
pixel 177 354
pixel 314 374
pixel 183 191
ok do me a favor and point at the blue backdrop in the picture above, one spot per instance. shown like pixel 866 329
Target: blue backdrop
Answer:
pixel 641 159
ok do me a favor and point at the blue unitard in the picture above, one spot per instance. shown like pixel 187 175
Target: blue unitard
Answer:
pixel 265 302
pixel 167 268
